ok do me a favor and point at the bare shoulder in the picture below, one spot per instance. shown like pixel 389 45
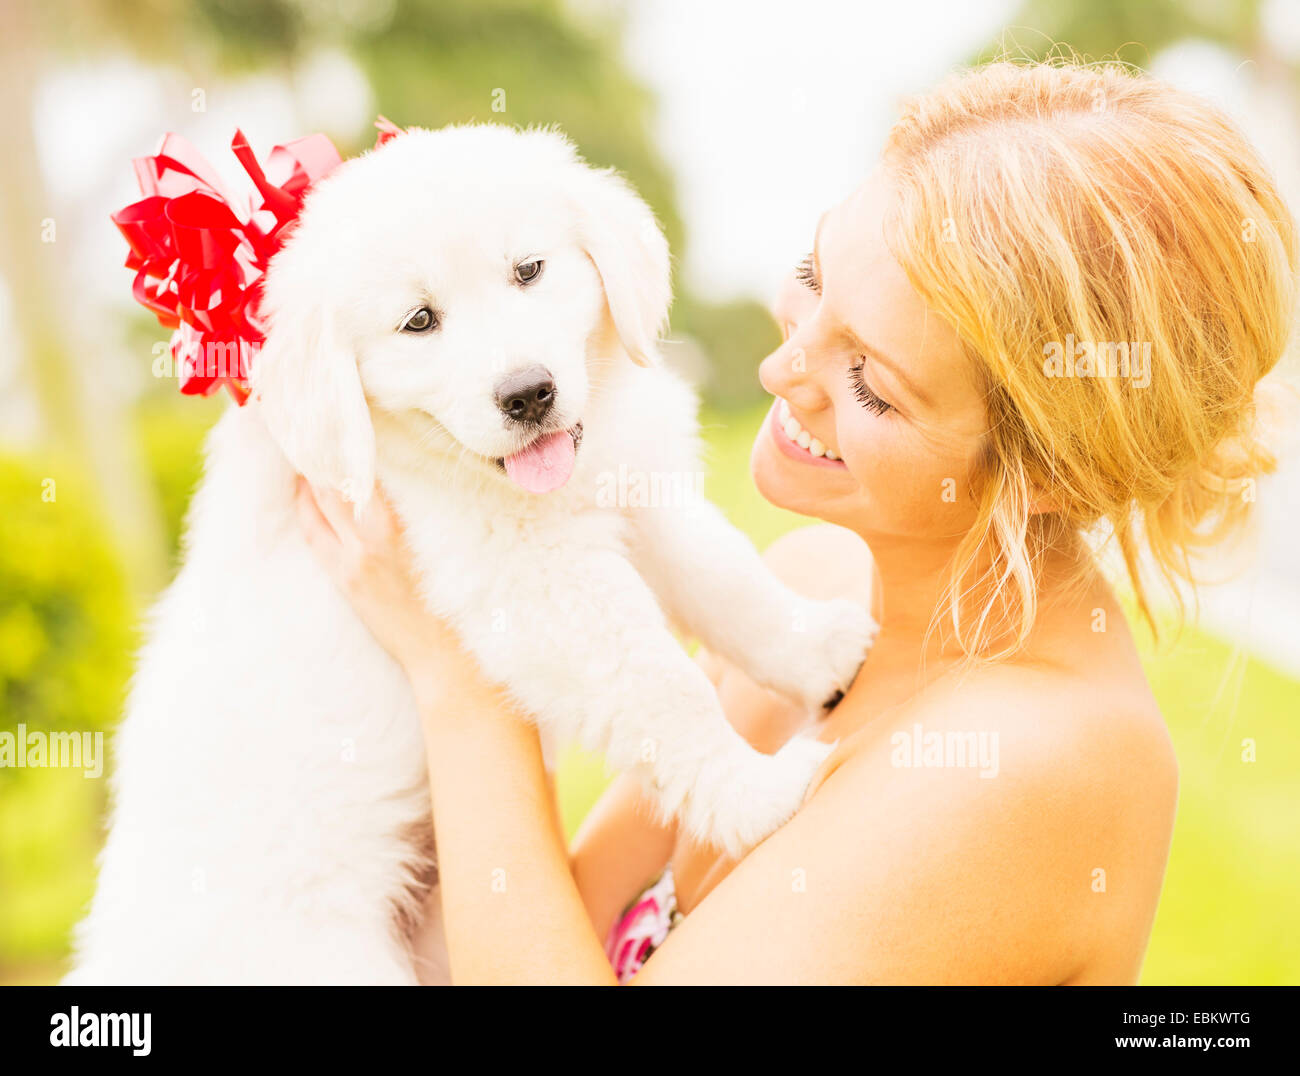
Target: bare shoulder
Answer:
pixel 1090 731
pixel 1082 747
pixel 1034 797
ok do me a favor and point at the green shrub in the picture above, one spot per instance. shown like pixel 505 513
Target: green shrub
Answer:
pixel 66 642
pixel 171 430
pixel 65 613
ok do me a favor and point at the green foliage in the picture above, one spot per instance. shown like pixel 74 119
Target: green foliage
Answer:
pixel 49 835
pixel 524 64
pixel 429 63
pixel 65 616
pixel 171 429
pixel 734 338
pixel 1121 29
pixel 1228 907
pixel 66 641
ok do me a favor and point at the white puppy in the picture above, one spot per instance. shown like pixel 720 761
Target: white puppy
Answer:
pixel 469 315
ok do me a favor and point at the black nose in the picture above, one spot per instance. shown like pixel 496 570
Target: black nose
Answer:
pixel 526 395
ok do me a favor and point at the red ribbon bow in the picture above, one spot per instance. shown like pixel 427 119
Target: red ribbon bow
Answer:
pixel 200 263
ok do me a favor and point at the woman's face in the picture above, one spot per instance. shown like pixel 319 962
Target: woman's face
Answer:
pixel 878 416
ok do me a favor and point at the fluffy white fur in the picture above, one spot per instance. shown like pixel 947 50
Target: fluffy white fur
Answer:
pixel 271 818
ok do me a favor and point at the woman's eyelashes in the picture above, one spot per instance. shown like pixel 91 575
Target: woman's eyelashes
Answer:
pixel 862 391
pixel 806 273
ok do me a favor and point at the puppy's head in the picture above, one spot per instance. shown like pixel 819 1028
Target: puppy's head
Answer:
pixel 462 276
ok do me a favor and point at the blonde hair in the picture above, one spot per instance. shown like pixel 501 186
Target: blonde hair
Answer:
pixel 1050 204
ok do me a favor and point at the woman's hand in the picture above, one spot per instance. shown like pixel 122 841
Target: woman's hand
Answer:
pixel 502 864
pixel 369 560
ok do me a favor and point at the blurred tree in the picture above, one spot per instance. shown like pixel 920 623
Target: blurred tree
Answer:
pixel 428 62
pixel 65 615
pixel 735 336
pixel 1136 32
pixel 520 63
pixel 1111 28
pixel 84 427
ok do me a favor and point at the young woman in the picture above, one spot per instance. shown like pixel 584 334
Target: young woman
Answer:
pixel 1045 312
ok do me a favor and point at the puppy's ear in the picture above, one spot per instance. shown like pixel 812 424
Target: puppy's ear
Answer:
pixel 306 382
pixel 623 239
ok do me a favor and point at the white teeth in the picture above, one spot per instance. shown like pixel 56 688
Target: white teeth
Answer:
pixel 800 436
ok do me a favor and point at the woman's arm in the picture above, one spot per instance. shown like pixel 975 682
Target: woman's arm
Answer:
pixel 890 873
pixel 511 909
pixel 619 849
pixel 622 845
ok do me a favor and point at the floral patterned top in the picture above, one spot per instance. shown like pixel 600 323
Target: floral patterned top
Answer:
pixel 642 927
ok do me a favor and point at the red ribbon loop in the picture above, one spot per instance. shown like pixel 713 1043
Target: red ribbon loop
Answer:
pixel 199 262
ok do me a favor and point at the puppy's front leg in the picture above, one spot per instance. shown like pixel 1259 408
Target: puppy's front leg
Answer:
pixel 584 646
pixel 716 586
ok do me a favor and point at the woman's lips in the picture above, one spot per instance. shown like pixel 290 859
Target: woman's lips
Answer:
pixel 791 448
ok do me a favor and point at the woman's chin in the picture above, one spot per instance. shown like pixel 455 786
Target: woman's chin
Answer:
pixel 780 481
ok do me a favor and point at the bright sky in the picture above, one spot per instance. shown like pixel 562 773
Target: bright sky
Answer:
pixel 772 111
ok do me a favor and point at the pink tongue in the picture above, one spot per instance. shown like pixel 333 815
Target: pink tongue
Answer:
pixel 544 465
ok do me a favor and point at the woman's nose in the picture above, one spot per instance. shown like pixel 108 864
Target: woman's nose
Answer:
pixel 790 372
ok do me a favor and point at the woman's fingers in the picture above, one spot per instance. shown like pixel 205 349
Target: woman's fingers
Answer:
pixel 373 530
pixel 315 527
pixel 348 545
pixel 369 561
pixel 338 512
pixel 314 523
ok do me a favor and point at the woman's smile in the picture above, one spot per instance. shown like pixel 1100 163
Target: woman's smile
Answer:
pixel 798 443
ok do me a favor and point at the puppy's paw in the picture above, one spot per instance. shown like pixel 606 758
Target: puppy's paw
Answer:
pixel 822 652
pixel 737 810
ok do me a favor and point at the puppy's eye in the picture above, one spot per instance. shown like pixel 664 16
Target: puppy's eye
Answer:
pixel 528 271
pixel 422 320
